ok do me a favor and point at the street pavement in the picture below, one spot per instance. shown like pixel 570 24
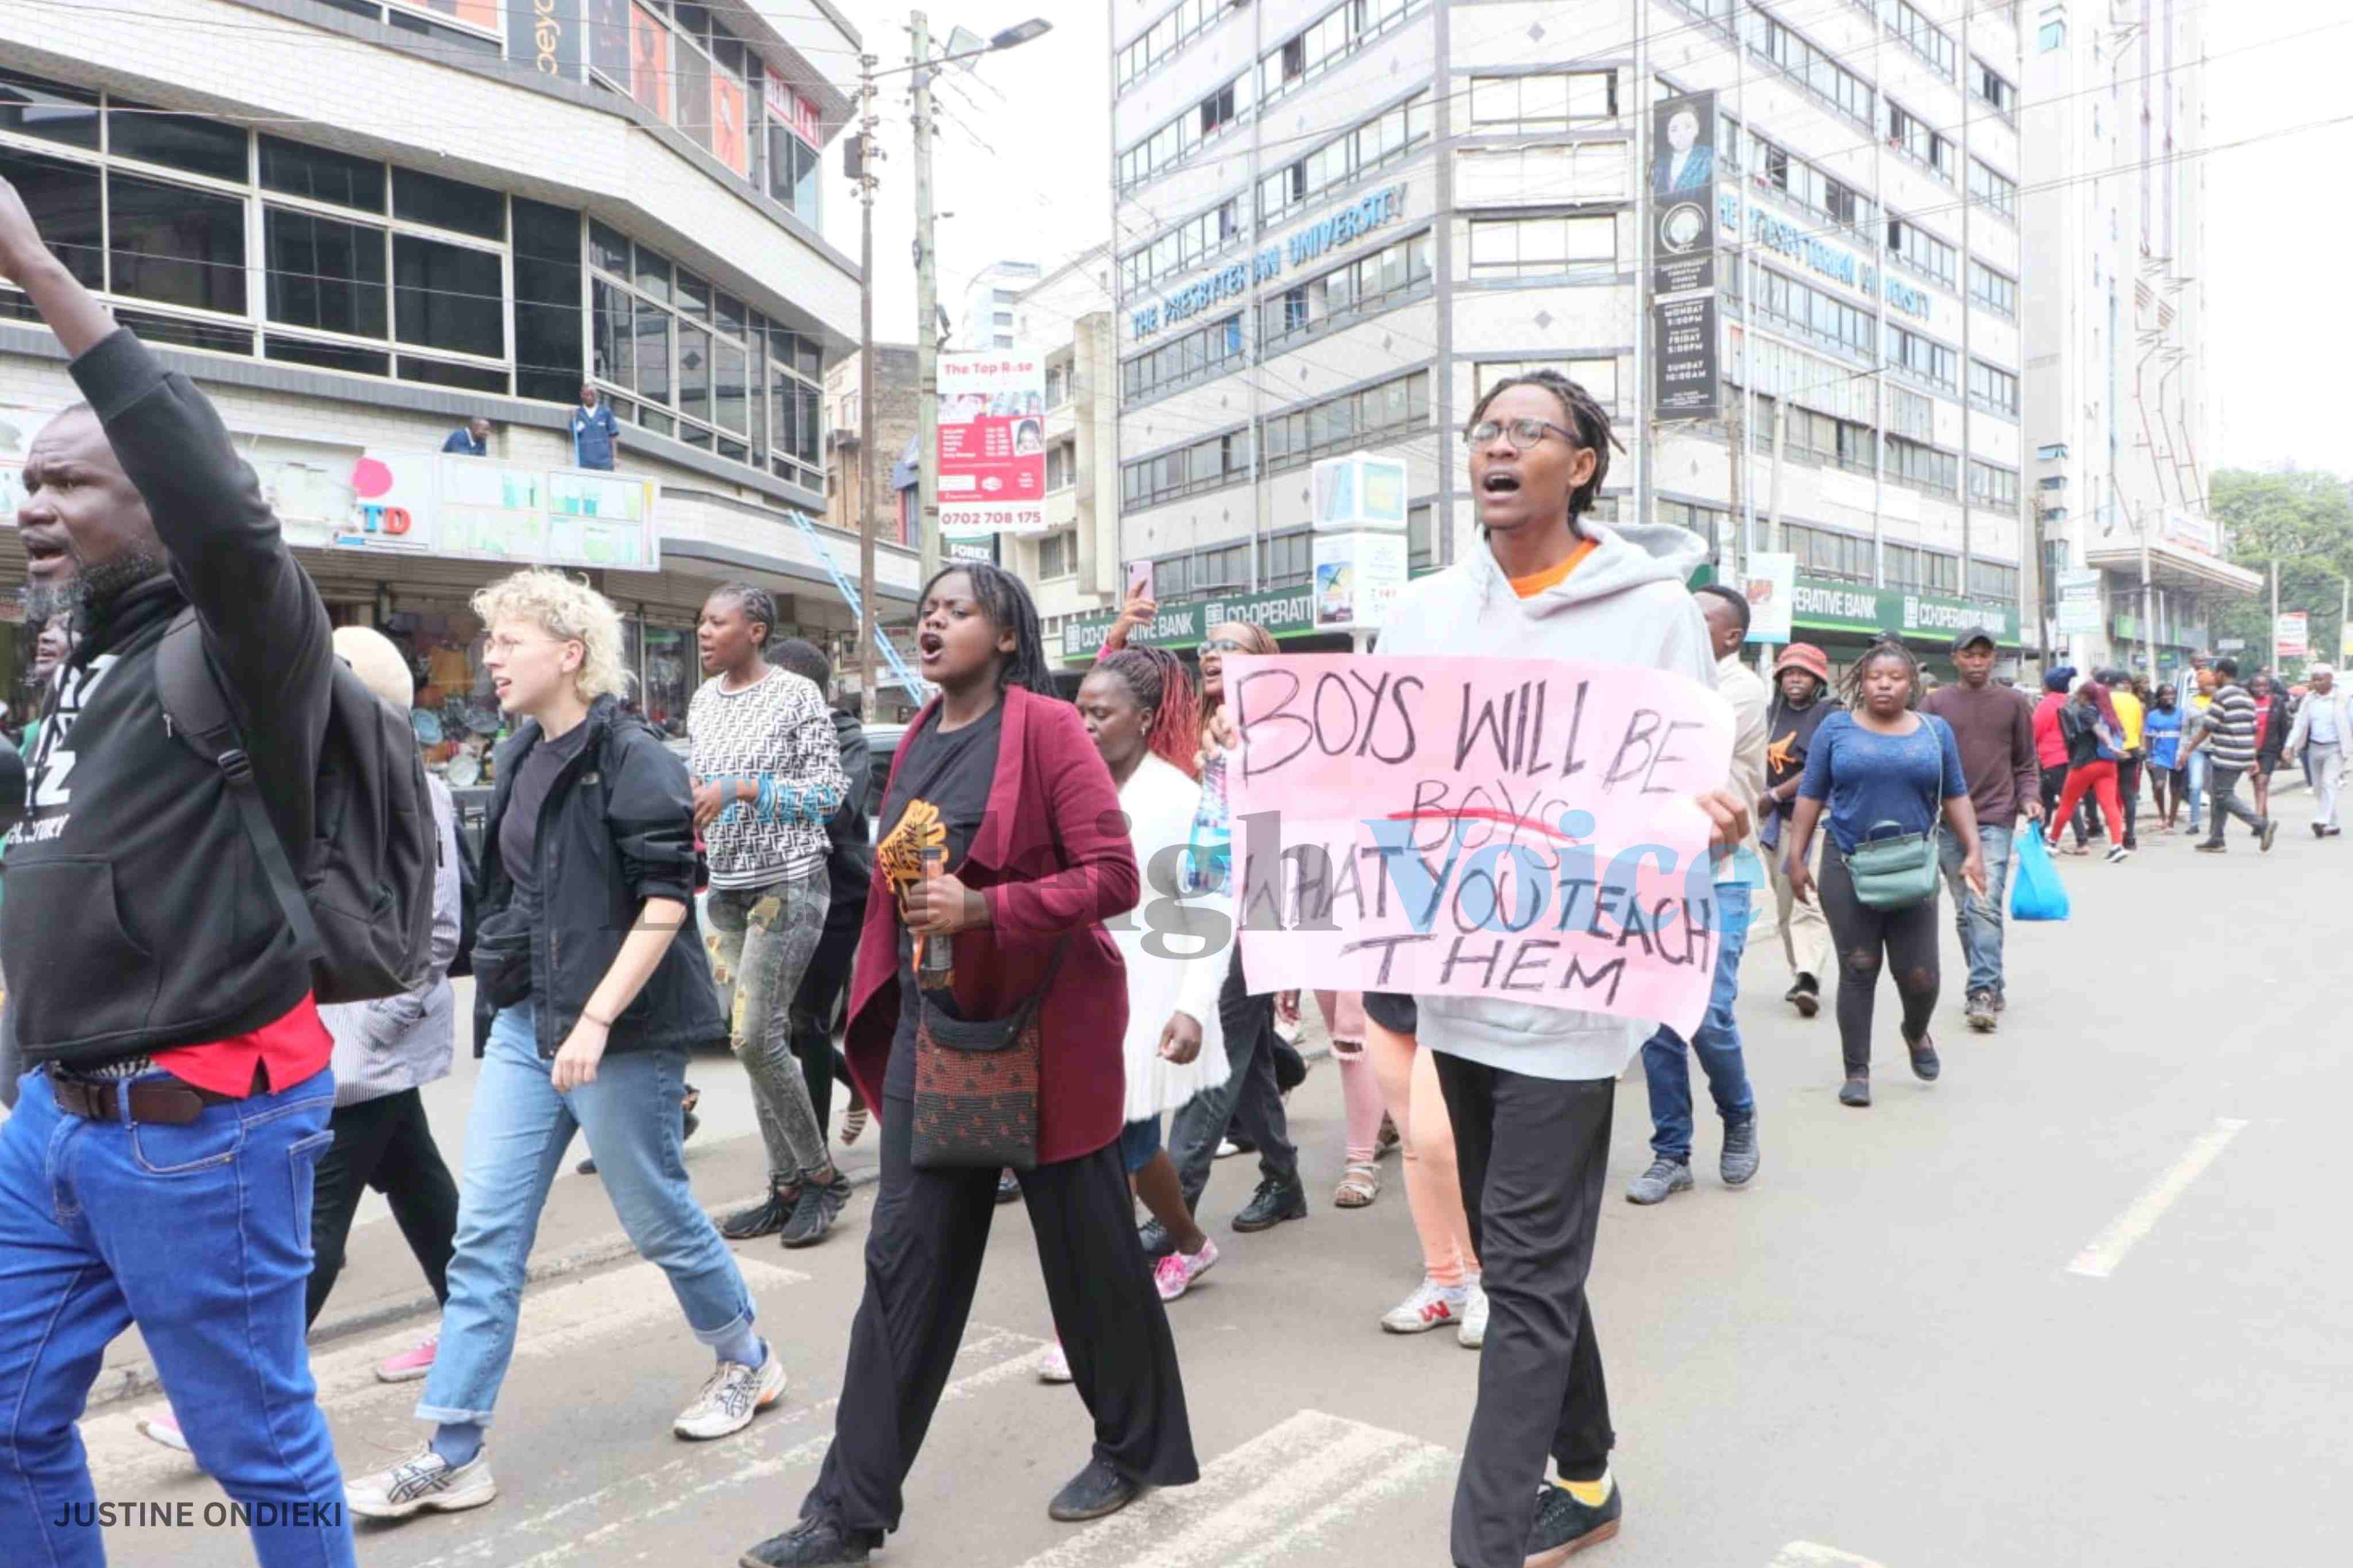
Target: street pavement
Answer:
pixel 2083 1301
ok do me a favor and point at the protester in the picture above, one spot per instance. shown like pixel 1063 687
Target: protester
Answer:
pixel 178 1086
pixel 2196 763
pixel 1666 1066
pixel 1141 712
pixel 1877 765
pixel 2228 739
pixel 1801 701
pixel 1531 1088
pixel 2095 742
pixel 1000 776
pixel 1994 732
pixel 2163 729
pixel 471 441
pixel 1449 1291
pixel 2323 728
pixel 594 431
pixel 2051 748
pixel 2131 716
pixel 849 863
pixel 767 776
pixel 2272 722
pixel 588 868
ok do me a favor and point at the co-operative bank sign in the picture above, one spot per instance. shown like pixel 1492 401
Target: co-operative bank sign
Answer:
pixel 1336 229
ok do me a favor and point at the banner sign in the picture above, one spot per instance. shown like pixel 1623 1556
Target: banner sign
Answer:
pixel 2292 635
pixel 1358 576
pixel 1682 193
pixel 1683 332
pixel 1519 830
pixel 1769 582
pixel 546 32
pixel 2079 599
pixel 992 452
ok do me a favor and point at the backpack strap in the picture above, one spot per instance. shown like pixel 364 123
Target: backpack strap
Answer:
pixel 197 714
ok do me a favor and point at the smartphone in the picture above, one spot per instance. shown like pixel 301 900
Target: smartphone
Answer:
pixel 1139 580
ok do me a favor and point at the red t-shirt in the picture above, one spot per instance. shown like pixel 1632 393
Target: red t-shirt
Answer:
pixel 286 1052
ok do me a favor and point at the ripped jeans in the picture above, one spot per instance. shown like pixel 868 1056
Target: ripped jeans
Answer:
pixel 1907 939
pixel 760 941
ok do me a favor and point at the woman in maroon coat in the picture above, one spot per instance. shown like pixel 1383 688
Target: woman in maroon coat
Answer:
pixel 1001 774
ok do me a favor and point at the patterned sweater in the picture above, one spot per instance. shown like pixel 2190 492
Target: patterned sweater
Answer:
pixel 2231 727
pixel 778 726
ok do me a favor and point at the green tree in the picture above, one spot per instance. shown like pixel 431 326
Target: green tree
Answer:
pixel 2304 520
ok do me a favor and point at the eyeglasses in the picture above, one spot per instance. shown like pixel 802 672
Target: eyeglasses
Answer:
pixel 1526 432
pixel 1225 644
pixel 507 646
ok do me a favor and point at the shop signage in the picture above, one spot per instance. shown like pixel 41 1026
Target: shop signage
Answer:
pixel 1817 256
pixel 2199 533
pixel 1283 612
pixel 442 505
pixel 793 111
pixel 2079 599
pixel 545 32
pixel 1821 605
pixel 1343 226
pixel 992 443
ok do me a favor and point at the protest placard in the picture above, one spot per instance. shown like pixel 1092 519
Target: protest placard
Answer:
pixel 1522 829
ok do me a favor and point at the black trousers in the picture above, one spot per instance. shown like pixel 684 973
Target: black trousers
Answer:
pixel 1534 1154
pixel 1248 1100
pixel 1907 939
pixel 812 1013
pixel 923 1251
pixel 386 1144
pixel 2128 787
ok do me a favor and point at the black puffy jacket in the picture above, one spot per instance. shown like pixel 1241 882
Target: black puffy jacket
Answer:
pixel 617 828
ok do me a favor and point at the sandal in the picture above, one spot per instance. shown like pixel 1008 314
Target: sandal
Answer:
pixel 853 1125
pixel 1358 1188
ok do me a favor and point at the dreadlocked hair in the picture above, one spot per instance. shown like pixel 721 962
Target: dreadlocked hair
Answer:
pixel 756 603
pixel 1163 687
pixel 1851 684
pixel 1006 603
pixel 1586 416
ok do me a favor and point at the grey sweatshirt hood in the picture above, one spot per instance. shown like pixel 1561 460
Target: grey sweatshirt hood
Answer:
pixel 1622 558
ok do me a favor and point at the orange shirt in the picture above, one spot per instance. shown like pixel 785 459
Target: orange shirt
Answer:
pixel 1528 587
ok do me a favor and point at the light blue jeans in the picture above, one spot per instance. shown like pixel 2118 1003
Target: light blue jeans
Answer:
pixel 515 1143
pixel 2195 776
pixel 1978 921
pixel 1666 1066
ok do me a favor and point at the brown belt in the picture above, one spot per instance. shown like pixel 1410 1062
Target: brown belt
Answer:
pixel 159 1101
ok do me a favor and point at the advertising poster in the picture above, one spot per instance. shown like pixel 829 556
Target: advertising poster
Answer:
pixel 1358 576
pixel 1770 585
pixel 545 32
pixel 790 109
pixel 992 456
pixel 449 506
pixel 1682 193
pixel 649 61
pixel 1684 334
pixel 2292 636
pixel 608 39
pixel 730 143
pixel 2079 599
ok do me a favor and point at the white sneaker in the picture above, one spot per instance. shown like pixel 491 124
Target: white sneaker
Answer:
pixel 162 1429
pixel 732 1395
pixel 1472 1334
pixel 1056 1367
pixel 1430 1306
pixel 424 1480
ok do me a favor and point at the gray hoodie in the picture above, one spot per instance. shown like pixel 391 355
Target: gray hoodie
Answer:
pixel 1625 604
pixel 403 1042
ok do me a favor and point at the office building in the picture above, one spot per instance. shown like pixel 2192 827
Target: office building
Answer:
pixel 987 319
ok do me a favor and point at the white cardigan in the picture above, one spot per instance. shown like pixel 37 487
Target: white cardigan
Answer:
pixel 1159 800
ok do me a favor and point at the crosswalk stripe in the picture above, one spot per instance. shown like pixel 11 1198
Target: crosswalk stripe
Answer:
pixel 1255 1504
pixel 762 1454
pixel 1806 1555
pixel 559 1321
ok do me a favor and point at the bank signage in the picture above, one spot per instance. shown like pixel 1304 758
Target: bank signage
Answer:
pixel 1344 225
pixel 1283 612
pixel 1830 261
pixel 1822 605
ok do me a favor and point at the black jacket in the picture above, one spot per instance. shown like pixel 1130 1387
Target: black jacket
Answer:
pixel 617 828
pixel 849 858
pixel 138 917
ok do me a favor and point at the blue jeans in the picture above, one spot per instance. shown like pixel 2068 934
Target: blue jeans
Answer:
pixel 515 1142
pixel 2195 775
pixel 1717 1045
pixel 1978 921
pixel 201 1235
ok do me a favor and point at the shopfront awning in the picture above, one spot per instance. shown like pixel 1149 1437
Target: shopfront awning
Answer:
pixel 2178 568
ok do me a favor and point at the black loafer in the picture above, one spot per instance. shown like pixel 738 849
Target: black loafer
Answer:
pixel 1925 1065
pixel 812 1543
pixel 1097 1490
pixel 1856 1092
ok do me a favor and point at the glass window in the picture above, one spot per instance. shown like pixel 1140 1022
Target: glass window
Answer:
pixel 50 111
pixel 548 348
pixel 449 203
pixel 63 199
pixel 185 141
pixel 325 274
pixel 612 334
pixel 653 275
pixel 447 297
pixel 693 296
pixel 327 356
pixel 177 246
pixel 653 332
pixel 695 95
pixel 187 334
pixel 693 372
pixel 322 176
pixel 728 312
pixel 607 251
pixel 731 368
pixel 440 373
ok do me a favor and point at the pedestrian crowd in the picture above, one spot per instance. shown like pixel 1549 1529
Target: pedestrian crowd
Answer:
pixel 1006 1034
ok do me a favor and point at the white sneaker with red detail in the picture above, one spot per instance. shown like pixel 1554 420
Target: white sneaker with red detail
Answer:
pixel 1432 1306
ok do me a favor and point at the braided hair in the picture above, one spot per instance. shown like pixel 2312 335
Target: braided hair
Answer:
pixel 756 603
pixel 1163 687
pixel 1851 684
pixel 1586 416
pixel 1006 603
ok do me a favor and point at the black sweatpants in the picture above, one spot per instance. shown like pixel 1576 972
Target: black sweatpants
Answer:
pixel 386 1144
pixel 1249 1100
pixel 1907 940
pixel 813 1006
pixel 1534 1155
pixel 924 1249
pixel 2128 790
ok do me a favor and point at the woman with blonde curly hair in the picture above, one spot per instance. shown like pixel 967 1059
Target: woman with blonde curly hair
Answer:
pixel 588 888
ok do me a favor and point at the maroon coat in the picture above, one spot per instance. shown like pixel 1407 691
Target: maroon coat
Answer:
pixel 1052 855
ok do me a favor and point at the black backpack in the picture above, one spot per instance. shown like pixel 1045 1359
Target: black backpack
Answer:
pixel 362 906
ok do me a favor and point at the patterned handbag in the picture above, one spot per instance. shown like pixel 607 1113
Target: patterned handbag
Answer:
pixel 976 1086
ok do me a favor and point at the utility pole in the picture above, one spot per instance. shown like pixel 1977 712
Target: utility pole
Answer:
pixel 869 624
pixel 2275 654
pixel 927 311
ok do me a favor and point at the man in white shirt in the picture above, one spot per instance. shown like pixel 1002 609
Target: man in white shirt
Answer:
pixel 2324 728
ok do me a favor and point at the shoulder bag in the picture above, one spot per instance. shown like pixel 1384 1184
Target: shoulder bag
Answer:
pixel 1897 871
pixel 976 1085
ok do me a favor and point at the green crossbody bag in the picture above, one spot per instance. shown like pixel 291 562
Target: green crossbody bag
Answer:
pixel 1895 873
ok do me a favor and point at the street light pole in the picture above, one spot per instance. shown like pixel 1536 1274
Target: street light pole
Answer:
pixel 927 311
pixel 869 623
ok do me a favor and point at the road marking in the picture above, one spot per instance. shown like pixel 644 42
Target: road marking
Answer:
pixel 563 1321
pixel 2099 1260
pixel 1260 1502
pixel 1806 1555
pixel 667 1488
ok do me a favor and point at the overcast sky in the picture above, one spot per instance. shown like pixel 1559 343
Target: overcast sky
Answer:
pixel 1042 196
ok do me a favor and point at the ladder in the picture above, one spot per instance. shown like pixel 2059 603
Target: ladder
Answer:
pixel 915 685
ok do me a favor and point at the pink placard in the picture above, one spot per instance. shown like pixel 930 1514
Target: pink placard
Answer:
pixel 1514 828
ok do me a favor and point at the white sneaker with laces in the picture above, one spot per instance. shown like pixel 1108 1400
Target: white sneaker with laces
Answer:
pixel 732 1395
pixel 1472 1334
pixel 1056 1367
pixel 1430 1306
pixel 424 1480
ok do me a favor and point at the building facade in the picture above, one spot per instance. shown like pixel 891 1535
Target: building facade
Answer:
pixel 1338 224
pixel 359 224
pixel 2120 415
pixel 987 322
pixel 894 431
